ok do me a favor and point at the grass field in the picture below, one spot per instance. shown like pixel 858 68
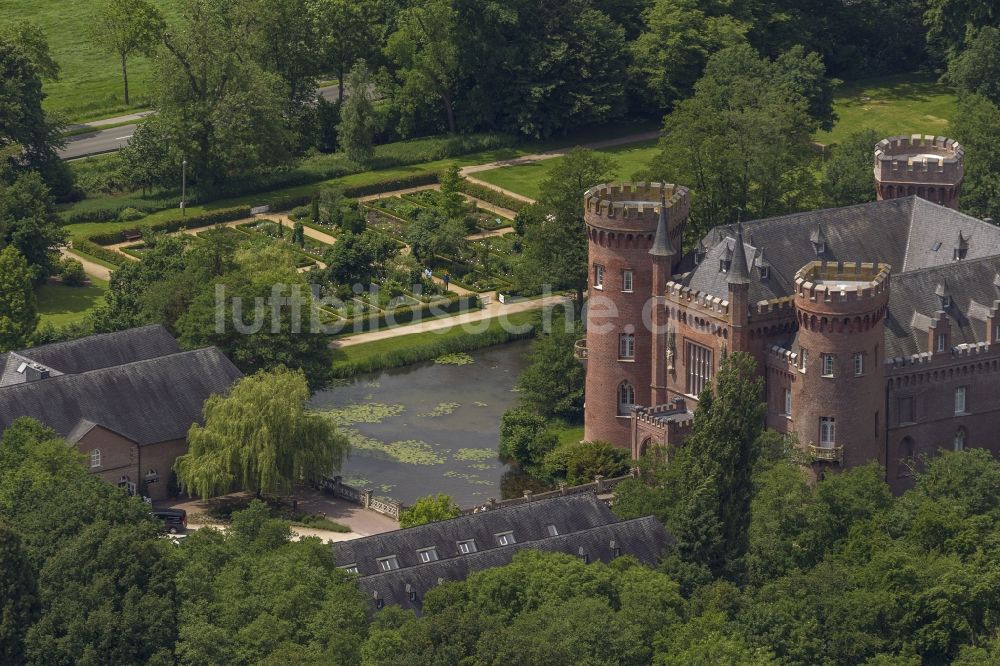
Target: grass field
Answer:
pixel 525 179
pixel 89 84
pixel 59 305
pixel 892 105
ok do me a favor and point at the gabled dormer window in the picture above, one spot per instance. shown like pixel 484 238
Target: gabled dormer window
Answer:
pixel 505 539
pixel 428 554
pixel 389 563
pixel 467 546
pixel 724 265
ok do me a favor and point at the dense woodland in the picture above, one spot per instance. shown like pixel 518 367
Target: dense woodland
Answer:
pixel 770 568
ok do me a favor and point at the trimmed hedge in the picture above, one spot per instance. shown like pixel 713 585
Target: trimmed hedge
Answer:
pixel 416 180
pixel 457 303
pixel 490 195
pixel 169 226
pixel 87 246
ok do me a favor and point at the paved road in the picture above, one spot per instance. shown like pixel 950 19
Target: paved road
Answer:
pixel 109 140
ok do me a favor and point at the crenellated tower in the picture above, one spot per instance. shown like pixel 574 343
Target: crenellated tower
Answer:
pixel 635 233
pixel 931 167
pixel 838 400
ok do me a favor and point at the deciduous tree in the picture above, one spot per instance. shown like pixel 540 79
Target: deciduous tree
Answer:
pixel 28 221
pixel 358 118
pixel 18 308
pixel 429 509
pixel 847 177
pixel 125 28
pixel 261 438
pixel 552 384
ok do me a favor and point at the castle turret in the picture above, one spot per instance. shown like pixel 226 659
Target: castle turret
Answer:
pixel 838 401
pixel 634 230
pixel 738 283
pixel 931 167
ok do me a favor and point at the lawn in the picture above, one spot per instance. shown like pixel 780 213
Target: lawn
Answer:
pixel 89 84
pixel 525 179
pixel 892 105
pixel 416 347
pixel 59 305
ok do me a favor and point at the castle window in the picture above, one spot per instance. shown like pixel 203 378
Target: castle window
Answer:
pixel 788 402
pixel 95 458
pixel 428 554
pixel 828 365
pixel 960 253
pixel 942 342
pixel 598 276
pixel 827 432
pixel 905 409
pixel 765 272
pixel 859 364
pixel 724 265
pixel 960 440
pixel 627 280
pixel 467 546
pixel 803 358
pixel 626 345
pixel 960 400
pixel 996 333
pixel 626 399
pixel 906 451
pixel 699 368
pixel 389 563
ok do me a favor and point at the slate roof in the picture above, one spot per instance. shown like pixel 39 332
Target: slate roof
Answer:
pixel 90 353
pixel 914 304
pixel 916 237
pixel 528 522
pixel 642 538
pixel 148 401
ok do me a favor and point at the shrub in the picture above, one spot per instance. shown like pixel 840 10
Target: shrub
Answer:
pixel 71 272
pixel 87 246
pixel 525 439
pixel 429 509
pixel 391 184
pixel 580 462
pixel 130 215
pixel 299 213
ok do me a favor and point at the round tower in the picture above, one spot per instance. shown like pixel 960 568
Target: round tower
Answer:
pixel 837 404
pixel 931 167
pixel 629 264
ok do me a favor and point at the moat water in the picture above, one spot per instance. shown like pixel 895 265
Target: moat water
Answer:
pixel 431 427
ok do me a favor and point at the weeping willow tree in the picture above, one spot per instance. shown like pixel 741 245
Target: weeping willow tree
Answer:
pixel 260 437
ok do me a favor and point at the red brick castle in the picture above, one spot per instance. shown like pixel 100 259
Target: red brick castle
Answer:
pixel 875 326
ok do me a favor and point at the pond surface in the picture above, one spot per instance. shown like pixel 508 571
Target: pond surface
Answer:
pixel 431 427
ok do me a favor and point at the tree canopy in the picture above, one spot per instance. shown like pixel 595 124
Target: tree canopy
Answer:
pixel 261 438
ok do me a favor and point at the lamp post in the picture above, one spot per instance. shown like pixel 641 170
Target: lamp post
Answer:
pixel 184 166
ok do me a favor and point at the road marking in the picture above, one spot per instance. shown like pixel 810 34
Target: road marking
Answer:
pixel 122 138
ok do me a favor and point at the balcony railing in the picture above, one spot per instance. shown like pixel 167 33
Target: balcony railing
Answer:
pixel 580 349
pixel 826 453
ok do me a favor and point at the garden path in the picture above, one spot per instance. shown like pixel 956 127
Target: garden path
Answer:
pixel 91 268
pixel 494 309
pixel 502 231
pixel 547 155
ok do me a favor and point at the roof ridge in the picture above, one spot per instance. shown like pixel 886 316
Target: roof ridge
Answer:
pixel 950 264
pixel 88 338
pixel 517 545
pixel 65 377
pixel 533 502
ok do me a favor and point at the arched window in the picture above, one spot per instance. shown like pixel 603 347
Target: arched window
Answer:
pixel 960 439
pixel 907 449
pixel 626 399
pixel 95 458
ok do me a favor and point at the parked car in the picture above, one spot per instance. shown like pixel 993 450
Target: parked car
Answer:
pixel 174 520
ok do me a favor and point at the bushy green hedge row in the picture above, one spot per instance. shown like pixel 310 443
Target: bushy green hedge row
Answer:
pixel 425 352
pixel 416 180
pixel 490 195
pixel 88 246
pixel 456 303
pixel 169 226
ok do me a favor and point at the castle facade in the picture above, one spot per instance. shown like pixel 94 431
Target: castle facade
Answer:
pixel 875 326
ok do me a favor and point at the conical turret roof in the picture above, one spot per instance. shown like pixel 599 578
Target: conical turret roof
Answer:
pixel 662 246
pixel 738 271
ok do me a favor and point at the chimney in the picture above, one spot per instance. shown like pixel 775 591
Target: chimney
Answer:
pixel 33 371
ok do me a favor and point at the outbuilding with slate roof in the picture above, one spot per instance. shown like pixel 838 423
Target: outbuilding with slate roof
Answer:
pixel 125 400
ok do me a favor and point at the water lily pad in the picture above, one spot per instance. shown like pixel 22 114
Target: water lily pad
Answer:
pixel 460 358
pixel 409 451
pixel 442 409
pixel 480 403
pixel 469 478
pixel 366 412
